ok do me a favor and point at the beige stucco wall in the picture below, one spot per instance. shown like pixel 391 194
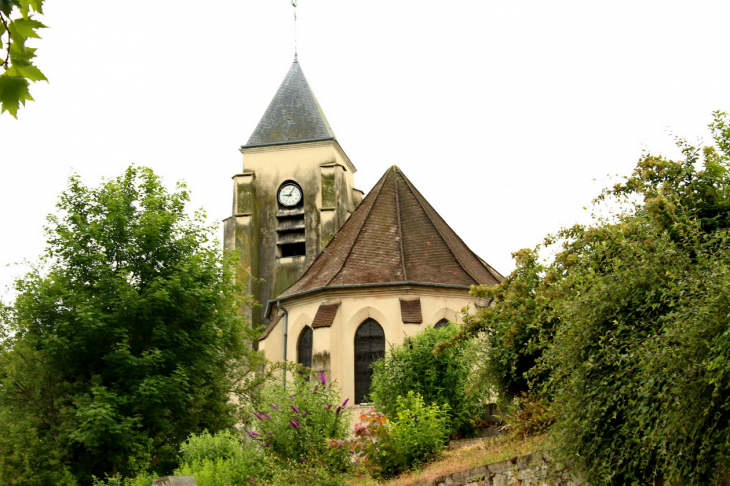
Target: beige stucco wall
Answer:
pixel 325 174
pixel 381 304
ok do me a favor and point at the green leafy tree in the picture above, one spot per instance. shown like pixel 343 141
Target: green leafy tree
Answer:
pixel 17 25
pixel 126 343
pixel 441 379
pixel 626 331
pixel 638 368
pixel 509 329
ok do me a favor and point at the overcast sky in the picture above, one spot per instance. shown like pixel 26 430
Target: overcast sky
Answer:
pixel 508 116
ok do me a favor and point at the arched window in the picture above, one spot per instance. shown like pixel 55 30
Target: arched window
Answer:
pixel 304 347
pixel 369 347
pixel 441 323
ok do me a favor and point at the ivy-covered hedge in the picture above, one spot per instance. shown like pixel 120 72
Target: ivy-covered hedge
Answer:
pixel 626 333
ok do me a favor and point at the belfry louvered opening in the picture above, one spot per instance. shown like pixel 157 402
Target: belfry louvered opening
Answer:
pixel 290 225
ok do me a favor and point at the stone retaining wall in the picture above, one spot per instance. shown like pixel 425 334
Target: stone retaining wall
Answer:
pixel 528 470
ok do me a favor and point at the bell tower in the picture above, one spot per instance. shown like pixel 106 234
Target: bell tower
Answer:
pixel 294 193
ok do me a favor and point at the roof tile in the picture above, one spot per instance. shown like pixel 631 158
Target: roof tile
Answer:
pixel 395 235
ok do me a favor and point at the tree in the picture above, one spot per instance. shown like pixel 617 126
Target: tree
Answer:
pixel 17 25
pixel 129 342
pixel 626 331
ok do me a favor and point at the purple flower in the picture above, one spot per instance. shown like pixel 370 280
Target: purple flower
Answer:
pixel 304 414
pixel 291 397
pixel 294 424
pixel 351 451
pixel 252 434
pixel 302 459
pixel 274 406
pixel 266 445
pixel 294 408
pixel 338 409
pixel 345 402
pixel 268 417
pixel 327 407
pixel 315 389
pixel 258 416
pixel 322 378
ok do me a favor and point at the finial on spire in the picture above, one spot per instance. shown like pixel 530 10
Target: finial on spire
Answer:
pixel 294 4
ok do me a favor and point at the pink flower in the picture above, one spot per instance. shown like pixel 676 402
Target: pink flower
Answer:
pixel 294 424
pixel 274 406
pixel 322 378
pixel 294 408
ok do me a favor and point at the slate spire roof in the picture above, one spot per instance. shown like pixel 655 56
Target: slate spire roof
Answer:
pixel 293 115
pixel 395 236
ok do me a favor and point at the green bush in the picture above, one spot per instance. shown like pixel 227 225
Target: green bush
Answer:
pixel 232 458
pixel 387 447
pixel 442 378
pixel 144 479
pixel 295 422
pixel 226 458
pixel 298 474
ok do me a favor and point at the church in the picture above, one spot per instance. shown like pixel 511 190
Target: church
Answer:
pixel 340 275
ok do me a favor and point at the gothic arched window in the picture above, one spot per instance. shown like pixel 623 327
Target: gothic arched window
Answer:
pixel 304 347
pixel 441 323
pixel 369 347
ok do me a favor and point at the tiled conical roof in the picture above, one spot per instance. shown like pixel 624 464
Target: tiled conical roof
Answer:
pixel 293 115
pixel 395 236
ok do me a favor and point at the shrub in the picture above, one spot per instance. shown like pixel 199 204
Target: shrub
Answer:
pixel 294 422
pixel 232 458
pixel 224 458
pixel 528 416
pixel 293 474
pixel 143 479
pixel 388 447
pixel 441 378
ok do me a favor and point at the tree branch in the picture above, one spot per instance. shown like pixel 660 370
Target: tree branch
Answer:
pixel 7 57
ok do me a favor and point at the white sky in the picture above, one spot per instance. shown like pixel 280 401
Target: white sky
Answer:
pixel 508 116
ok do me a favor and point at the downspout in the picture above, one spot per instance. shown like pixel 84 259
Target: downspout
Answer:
pixel 286 335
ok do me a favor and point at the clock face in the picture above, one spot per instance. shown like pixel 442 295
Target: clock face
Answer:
pixel 290 195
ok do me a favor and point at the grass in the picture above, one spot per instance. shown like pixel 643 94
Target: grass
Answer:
pixel 485 452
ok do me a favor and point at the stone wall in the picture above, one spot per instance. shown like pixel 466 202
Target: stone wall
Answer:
pixel 529 470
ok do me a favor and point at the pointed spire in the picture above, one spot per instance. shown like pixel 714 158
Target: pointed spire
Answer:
pixel 293 115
